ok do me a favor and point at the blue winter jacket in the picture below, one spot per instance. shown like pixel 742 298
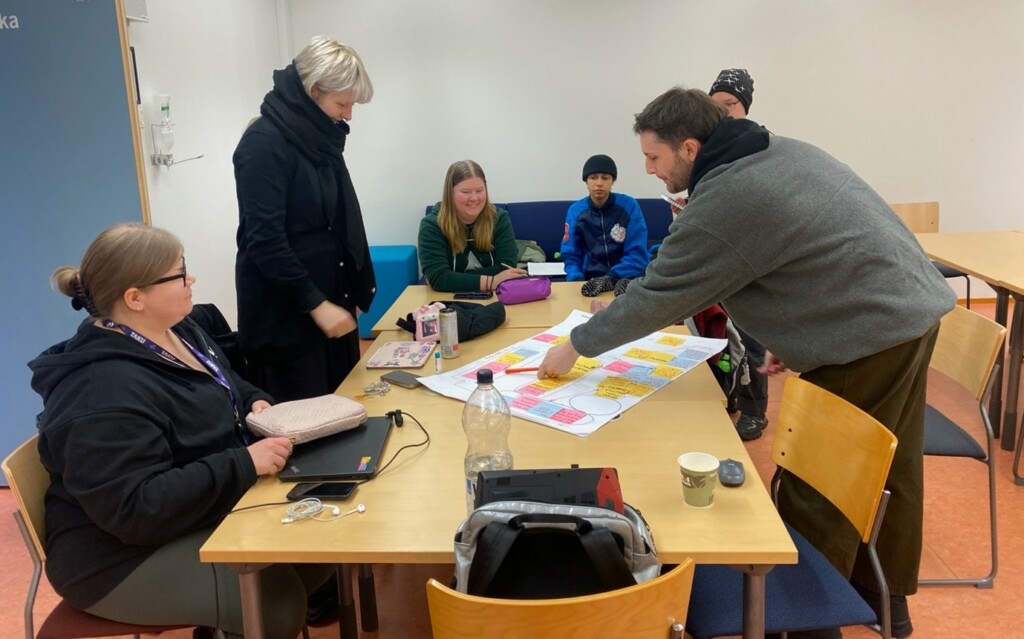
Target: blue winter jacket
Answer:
pixel 610 240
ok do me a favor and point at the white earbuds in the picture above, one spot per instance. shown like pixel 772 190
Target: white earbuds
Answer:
pixel 310 507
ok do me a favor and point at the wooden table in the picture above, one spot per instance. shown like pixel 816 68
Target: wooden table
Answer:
pixel 415 506
pixel 997 257
pixel 565 297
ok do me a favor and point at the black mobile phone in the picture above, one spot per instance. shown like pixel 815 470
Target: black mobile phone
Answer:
pixel 475 295
pixel 404 379
pixel 326 491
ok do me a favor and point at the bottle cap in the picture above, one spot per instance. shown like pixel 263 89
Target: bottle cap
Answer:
pixel 484 376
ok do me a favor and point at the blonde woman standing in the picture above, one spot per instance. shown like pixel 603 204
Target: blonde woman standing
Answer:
pixel 303 264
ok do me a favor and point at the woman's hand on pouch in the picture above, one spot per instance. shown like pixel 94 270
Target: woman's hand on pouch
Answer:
pixel 507 274
pixel 269 455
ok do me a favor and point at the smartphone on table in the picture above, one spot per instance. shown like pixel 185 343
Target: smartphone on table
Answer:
pixel 474 295
pixel 404 379
pixel 324 491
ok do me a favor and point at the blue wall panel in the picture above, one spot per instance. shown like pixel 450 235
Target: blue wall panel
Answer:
pixel 67 171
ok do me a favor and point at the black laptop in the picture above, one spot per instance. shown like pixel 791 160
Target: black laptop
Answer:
pixel 350 455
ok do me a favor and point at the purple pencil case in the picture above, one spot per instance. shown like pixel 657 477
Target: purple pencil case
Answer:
pixel 524 289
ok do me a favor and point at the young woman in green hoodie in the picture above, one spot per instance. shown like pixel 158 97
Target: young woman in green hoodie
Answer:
pixel 465 242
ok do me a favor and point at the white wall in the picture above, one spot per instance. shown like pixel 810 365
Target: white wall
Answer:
pixel 921 97
pixel 215 59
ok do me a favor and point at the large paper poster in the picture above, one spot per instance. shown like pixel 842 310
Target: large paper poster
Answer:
pixel 594 391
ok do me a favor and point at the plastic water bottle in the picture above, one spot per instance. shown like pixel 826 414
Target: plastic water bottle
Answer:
pixel 486 420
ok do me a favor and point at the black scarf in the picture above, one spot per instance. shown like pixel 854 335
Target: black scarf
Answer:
pixel 322 142
pixel 732 140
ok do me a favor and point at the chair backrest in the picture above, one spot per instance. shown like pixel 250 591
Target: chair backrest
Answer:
pixel 967 347
pixel 920 217
pixel 647 610
pixel 837 448
pixel 28 481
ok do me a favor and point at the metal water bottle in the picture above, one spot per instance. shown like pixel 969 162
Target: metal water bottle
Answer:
pixel 487 420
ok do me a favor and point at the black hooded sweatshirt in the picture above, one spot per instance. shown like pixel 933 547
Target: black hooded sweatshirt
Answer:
pixel 140 452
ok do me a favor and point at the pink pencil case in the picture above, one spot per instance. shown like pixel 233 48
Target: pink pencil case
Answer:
pixel 524 289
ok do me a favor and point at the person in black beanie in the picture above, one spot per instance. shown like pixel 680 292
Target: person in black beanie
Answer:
pixel 605 239
pixel 734 89
pixel 303 264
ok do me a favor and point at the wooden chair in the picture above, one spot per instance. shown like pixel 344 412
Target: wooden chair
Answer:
pixel 28 481
pixel 844 454
pixel 923 217
pixel 652 610
pixel 966 351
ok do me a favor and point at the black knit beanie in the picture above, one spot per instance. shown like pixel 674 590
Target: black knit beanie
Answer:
pixel 736 82
pixel 600 164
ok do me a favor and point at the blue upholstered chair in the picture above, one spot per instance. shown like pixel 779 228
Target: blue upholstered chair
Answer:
pixel 844 454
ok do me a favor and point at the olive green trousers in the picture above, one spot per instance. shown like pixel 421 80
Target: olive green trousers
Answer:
pixel 173 587
pixel 890 386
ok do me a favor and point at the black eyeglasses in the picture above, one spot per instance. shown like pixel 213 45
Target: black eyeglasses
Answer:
pixel 183 276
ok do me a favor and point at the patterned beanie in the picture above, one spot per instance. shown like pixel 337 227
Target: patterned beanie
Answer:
pixel 736 82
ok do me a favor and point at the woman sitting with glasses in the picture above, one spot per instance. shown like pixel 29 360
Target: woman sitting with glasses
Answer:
pixel 142 433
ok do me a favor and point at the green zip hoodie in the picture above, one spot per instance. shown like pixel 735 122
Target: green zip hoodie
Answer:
pixel 448 272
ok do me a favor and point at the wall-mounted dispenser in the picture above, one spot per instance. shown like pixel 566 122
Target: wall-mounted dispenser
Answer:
pixel 163 134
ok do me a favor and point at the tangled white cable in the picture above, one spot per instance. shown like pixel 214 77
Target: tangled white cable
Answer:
pixel 310 507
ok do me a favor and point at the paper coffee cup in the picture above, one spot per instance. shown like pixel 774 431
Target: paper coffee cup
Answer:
pixel 699 473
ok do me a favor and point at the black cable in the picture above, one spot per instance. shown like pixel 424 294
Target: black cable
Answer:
pixel 398 417
pixel 273 503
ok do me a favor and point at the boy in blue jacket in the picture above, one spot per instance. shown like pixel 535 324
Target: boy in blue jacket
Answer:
pixel 605 240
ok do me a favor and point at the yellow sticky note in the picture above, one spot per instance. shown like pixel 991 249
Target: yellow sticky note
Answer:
pixel 614 382
pixel 551 383
pixel 658 356
pixel 588 363
pixel 671 340
pixel 640 390
pixel 668 372
pixel 610 393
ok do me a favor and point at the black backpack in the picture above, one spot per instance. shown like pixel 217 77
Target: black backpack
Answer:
pixel 532 550
pixel 473 319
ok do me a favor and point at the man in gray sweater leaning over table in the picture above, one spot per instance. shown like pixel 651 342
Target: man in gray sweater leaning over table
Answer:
pixel 812 263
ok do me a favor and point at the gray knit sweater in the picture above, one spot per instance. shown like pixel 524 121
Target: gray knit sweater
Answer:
pixel 801 252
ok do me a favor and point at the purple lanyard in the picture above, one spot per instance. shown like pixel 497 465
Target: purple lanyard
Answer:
pixel 215 371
